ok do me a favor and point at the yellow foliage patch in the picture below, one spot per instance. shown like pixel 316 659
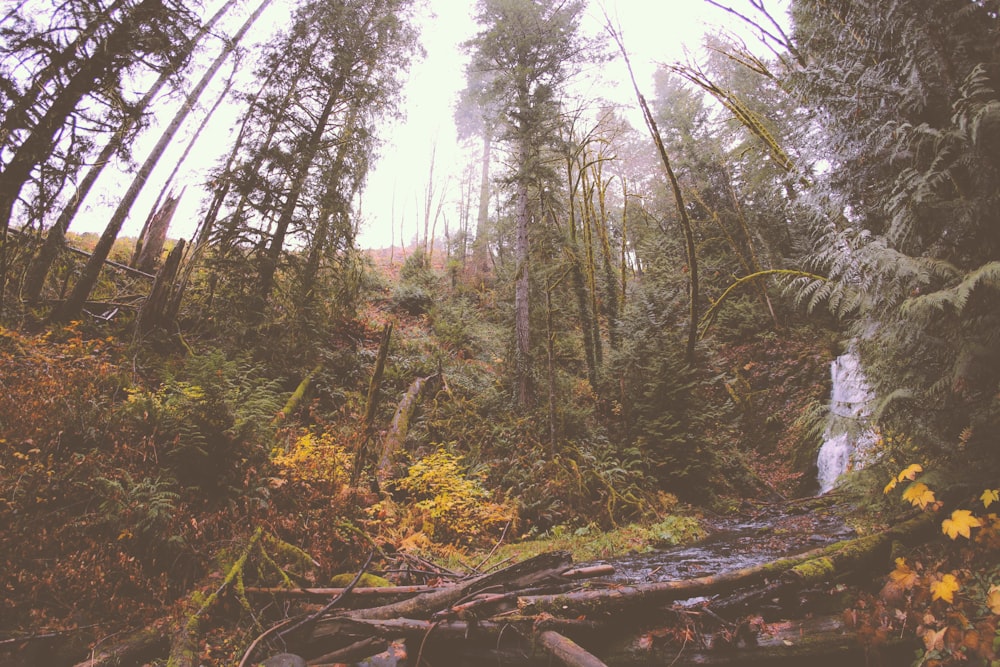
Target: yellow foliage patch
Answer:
pixel 990 496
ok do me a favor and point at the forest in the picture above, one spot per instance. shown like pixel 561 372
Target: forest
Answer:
pixel 261 443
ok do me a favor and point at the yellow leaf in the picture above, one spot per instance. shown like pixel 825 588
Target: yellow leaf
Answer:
pixel 945 589
pixel 918 494
pixel 993 599
pixel 903 575
pixel 890 486
pixel 961 523
pixel 990 496
pixel 910 472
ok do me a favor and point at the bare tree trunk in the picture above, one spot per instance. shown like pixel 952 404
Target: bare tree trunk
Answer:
pixel 72 306
pixel 481 246
pixel 522 330
pixel 156 235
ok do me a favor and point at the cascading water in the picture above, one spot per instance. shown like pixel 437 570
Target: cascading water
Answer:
pixel 847 430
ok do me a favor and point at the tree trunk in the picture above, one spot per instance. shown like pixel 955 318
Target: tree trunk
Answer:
pixel 150 247
pixel 42 262
pixel 88 279
pixel 37 146
pixel 368 421
pixel 481 246
pixel 269 260
pixel 152 313
pixel 522 330
pixel 400 426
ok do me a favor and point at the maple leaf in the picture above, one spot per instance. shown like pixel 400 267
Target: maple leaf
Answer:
pixel 918 494
pixel 903 575
pixel 910 472
pixel 990 496
pixel 961 523
pixel 890 486
pixel 945 589
pixel 993 599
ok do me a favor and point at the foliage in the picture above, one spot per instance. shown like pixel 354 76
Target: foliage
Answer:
pixel 417 287
pixel 905 219
pixel 451 505
pixel 211 428
pixel 949 591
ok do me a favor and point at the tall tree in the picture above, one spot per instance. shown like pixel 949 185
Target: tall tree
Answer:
pixel 54 238
pixel 73 304
pixel 527 48
pixel 366 44
pixel 150 32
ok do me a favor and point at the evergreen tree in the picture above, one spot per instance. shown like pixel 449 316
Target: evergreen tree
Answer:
pixel 526 48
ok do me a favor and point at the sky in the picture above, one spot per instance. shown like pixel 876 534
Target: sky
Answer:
pixel 657 31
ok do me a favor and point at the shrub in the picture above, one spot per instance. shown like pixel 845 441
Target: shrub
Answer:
pixel 450 505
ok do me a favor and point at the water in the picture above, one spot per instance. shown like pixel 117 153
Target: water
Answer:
pixel 757 534
pixel 847 431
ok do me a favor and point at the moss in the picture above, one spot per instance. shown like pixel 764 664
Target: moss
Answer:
pixel 816 569
pixel 367 580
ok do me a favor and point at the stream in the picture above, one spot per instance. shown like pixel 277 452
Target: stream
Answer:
pixel 757 534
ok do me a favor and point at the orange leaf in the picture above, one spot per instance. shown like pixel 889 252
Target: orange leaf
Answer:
pixel 945 589
pixel 961 523
pixel 903 575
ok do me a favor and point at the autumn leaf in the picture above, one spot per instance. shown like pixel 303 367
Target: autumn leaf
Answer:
pixel 961 523
pixel 918 494
pixel 903 575
pixel 910 472
pixel 934 639
pixel 990 496
pixel 890 486
pixel 993 599
pixel 945 589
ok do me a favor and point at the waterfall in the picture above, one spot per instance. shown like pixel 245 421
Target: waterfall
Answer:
pixel 847 430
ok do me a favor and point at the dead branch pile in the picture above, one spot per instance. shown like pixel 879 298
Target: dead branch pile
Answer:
pixel 543 608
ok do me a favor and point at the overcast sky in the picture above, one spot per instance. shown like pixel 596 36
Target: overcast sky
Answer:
pixel 654 31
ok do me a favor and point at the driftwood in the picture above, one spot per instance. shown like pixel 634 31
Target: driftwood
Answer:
pixel 534 612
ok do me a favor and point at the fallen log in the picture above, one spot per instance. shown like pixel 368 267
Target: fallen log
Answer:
pixel 520 575
pixel 818 642
pixel 140 647
pixel 400 425
pixel 567 651
pixel 368 593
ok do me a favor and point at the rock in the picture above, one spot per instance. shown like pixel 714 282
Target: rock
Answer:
pixel 284 660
